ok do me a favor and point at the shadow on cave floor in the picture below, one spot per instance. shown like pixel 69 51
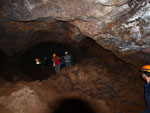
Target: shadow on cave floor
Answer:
pixel 73 105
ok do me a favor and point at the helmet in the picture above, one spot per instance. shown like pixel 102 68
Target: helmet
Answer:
pixel 66 52
pixel 146 68
pixel 54 54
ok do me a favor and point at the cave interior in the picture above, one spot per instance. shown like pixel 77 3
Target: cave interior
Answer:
pixel 109 48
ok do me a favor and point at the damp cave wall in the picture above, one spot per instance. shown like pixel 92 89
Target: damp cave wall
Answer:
pixel 124 33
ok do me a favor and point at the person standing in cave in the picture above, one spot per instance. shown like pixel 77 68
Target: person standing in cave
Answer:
pixel 37 61
pixel 146 76
pixel 73 60
pixel 63 64
pixel 56 63
pixel 67 59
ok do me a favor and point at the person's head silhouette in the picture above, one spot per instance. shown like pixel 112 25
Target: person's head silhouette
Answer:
pixel 73 105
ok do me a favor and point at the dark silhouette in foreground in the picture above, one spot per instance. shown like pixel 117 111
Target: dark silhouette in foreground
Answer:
pixel 74 106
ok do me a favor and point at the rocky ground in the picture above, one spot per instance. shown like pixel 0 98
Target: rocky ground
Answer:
pixel 115 89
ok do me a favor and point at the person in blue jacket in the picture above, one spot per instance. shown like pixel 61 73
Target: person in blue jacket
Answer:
pixel 146 76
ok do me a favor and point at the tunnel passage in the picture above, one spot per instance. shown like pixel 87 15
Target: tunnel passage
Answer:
pixel 87 48
pixel 23 66
pixel 40 39
pixel 74 105
pixel 44 51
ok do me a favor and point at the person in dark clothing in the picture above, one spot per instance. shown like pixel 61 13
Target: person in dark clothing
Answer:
pixel 43 62
pixel 146 76
pixel 63 64
pixel 72 60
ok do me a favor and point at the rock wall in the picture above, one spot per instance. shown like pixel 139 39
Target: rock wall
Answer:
pixel 107 90
pixel 19 36
pixel 119 26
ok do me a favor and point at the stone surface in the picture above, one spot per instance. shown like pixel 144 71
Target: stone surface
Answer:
pixel 21 35
pixel 107 90
pixel 119 26
pixel 22 101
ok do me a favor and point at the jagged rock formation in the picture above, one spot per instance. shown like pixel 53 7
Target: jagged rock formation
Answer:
pixel 119 26
pixel 107 90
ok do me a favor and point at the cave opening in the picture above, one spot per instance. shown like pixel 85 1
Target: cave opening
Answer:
pixel 109 77
pixel 44 51
pixel 57 37
pixel 81 51
pixel 22 67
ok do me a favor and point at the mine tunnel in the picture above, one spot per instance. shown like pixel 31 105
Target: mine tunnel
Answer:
pixel 44 51
pixel 22 66
pixel 108 39
pixel 92 63
pixel 59 38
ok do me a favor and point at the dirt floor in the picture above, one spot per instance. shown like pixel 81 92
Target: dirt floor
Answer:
pixel 97 87
pixel 99 82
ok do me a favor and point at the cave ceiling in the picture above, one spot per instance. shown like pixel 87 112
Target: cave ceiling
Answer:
pixel 121 26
